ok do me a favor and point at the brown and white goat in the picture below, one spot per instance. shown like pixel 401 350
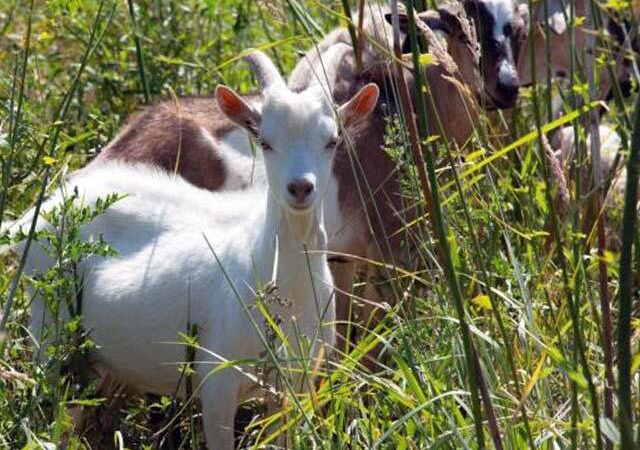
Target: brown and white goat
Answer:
pixel 502 27
pixel 189 136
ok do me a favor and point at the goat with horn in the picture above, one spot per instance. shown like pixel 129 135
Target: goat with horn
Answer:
pixel 190 256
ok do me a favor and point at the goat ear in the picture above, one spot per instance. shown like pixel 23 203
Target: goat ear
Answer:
pixel 556 18
pixel 431 18
pixel 434 20
pixel 402 19
pixel 360 105
pixel 236 109
pixel 446 20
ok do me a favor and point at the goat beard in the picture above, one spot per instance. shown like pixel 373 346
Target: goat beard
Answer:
pixel 307 228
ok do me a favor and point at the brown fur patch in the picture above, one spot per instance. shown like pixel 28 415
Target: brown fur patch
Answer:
pixel 169 135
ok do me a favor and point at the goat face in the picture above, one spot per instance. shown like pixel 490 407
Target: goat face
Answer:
pixel 462 43
pixel 298 136
pixel 450 22
pixel 501 27
pixel 298 132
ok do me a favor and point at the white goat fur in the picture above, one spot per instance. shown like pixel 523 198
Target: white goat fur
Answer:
pixel 610 144
pixel 165 275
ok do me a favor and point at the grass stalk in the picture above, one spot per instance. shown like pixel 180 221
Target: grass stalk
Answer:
pixel 476 375
pixel 355 37
pixel 15 118
pixel 139 56
pixel 310 26
pixel 6 310
pixel 573 300
pixel 431 196
pixel 358 45
pixel 626 285
pixel 9 19
pixel 481 265
pixel 599 196
pixel 577 252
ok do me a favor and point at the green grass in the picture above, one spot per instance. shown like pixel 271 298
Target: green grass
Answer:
pixel 499 297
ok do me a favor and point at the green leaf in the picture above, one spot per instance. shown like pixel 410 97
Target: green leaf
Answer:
pixel 540 198
pixel 475 155
pixel 577 377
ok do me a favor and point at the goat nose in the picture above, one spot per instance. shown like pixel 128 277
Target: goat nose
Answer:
pixel 509 91
pixel 300 190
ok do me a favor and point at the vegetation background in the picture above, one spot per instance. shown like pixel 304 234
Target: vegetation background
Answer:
pixel 72 71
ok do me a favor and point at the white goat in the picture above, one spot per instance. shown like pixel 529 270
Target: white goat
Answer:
pixel 190 255
pixel 610 147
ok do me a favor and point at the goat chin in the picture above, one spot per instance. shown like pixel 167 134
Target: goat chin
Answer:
pixel 173 242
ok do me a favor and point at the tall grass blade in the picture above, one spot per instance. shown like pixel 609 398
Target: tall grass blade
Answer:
pixel 626 285
pixel 139 55
pixel 355 38
pixel 577 253
pixel 598 200
pixel 431 197
pixel 572 295
pixel 17 116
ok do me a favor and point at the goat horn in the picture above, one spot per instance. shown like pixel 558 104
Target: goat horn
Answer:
pixel 324 67
pixel 263 68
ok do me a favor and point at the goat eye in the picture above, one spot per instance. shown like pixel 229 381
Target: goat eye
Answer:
pixel 331 144
pixel 265 146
